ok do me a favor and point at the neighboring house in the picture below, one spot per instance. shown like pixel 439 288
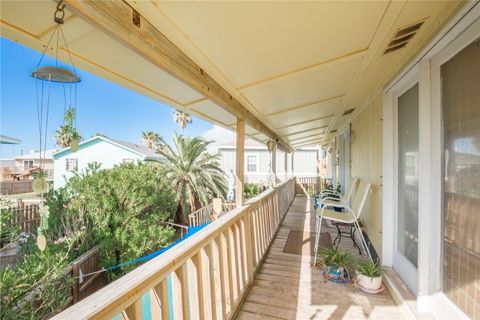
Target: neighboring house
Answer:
pixel 103 150
pixel 27 163
pixel 257 161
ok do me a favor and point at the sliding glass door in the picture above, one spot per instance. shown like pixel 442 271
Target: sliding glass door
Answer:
pixel 460 91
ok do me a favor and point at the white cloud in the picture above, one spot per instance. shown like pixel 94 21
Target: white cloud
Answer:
pixel 219 135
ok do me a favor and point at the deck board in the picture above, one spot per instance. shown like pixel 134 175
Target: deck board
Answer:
pixel 288 287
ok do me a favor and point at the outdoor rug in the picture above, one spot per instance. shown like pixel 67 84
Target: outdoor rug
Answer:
pixel 303 243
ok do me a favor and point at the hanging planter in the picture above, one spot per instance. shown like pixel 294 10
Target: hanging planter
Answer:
pixel 39 184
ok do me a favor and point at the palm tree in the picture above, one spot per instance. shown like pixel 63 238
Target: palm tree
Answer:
pixel 64 136
pixel 182 118
pixel 150 139
pixel 195 174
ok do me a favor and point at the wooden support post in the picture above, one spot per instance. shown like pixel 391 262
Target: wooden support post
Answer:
pixel 293 157
pixel 239 176
pixel 274 164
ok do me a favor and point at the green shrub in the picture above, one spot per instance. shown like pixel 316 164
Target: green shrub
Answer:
pixel 119 209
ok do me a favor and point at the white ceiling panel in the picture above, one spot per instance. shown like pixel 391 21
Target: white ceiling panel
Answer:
pixel 303 88
pixel 251 41
pixel 309 112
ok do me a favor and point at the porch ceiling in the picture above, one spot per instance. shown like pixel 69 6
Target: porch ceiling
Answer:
pixel 297 66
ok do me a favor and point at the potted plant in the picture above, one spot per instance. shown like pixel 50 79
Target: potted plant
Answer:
pixel 39 184
pixel 369 276
pixel 336 265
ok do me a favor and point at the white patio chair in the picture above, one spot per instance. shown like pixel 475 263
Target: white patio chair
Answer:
pixel 333 197
pixel 349 216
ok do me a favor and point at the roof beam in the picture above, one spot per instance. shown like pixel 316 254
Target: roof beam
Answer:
pixel 116 19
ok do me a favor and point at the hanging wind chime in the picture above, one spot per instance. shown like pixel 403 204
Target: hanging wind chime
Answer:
pixel 47 79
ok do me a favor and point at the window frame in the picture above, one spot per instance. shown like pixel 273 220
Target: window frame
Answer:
pixel 257 163
pixel 67 168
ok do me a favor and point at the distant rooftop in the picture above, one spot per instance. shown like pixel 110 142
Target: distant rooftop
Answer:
pixel 136 148
pixel 36 155
pixel 9 140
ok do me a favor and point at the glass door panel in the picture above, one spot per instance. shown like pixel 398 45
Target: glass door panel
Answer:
pixel 406 255
pixel 461 189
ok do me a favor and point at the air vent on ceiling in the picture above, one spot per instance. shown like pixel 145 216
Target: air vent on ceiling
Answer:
pixel 347 112
pixel 403 37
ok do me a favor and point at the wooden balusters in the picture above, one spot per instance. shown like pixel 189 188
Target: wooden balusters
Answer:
pixel 205 276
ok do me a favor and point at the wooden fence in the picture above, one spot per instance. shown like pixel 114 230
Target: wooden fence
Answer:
pixel 309 185
pixel 204 277
pixel 26 216
pixel 86 285
pixel 16 187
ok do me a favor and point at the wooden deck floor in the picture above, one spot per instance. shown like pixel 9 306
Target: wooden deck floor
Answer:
pixel 288 287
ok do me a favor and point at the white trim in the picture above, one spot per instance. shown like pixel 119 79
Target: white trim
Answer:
pixel 257 162
pixel 459 32
pixel 456 25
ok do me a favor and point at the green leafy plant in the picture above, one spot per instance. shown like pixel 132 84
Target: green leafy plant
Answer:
pixel 335 258
pixel 369 268
pixel 8 233
pixel 194 173
pixel 251 190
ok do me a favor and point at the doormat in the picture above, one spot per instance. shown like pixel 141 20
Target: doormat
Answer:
pixel 303 243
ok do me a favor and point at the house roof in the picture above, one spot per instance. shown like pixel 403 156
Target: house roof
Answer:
pixel 133 147
pixel 9 140
pixel 36 155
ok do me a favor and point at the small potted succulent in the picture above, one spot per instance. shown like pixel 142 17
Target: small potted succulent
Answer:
pixel 39 184
pixel 369 276
pixel 336 265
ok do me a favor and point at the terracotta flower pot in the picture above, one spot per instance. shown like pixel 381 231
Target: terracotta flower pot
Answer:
pixel 39 185
pixel 370 284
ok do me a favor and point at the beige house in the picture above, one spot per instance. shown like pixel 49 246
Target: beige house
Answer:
pixel 390 91
pixel 258 161
pixel 34 160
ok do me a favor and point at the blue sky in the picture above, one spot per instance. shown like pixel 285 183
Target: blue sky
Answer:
pixel 102 106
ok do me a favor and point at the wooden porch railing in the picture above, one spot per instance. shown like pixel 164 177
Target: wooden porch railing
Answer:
pixel 205 276
pixel 203 215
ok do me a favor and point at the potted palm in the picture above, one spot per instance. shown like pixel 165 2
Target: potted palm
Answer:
pixel 336 265
pixel 39 184
pixel 369 276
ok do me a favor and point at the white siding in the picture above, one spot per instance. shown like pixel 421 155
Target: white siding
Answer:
pixel 305 163
pixel 97 151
